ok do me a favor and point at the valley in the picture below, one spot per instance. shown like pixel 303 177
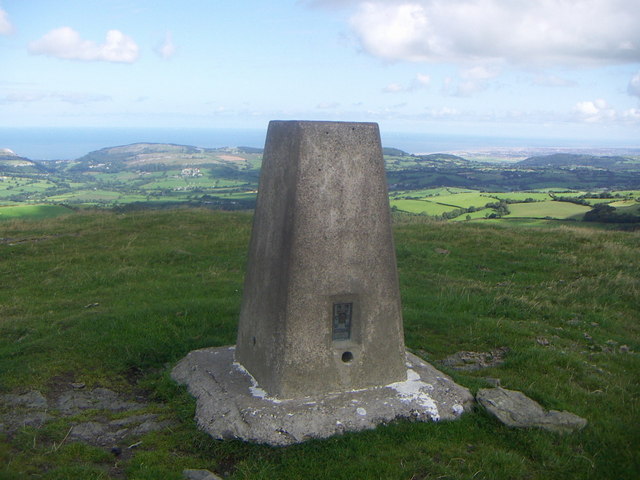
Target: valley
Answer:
pixel 550 184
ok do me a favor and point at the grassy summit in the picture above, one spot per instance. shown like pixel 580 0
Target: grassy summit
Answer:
pixel 114 300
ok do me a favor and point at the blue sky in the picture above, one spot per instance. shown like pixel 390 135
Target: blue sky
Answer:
pixel 518 68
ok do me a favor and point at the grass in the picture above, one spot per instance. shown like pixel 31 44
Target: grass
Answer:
pixel 162 283
pixel 32 211
pixel 549 209
pixel 520 196
pixel 465 200
pixel 426 207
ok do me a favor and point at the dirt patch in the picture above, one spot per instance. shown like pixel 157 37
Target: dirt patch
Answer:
pixel 17 241
pixel 469 361
pixel 231 158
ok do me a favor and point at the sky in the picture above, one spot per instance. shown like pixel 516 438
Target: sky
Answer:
pixel 510 68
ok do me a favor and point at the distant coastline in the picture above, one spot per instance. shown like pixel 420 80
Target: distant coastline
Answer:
pixel 66 143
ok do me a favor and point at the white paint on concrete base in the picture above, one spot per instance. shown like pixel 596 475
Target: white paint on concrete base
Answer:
pixel 413 389
pixel 255 389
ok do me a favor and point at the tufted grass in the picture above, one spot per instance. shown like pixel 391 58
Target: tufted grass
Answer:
pixel 115 300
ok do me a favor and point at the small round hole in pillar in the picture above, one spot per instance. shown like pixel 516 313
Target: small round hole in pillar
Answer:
pixel 347 357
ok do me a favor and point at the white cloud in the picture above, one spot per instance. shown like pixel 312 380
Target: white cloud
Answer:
pixel 443 112
pixel 472 80
pixel 420 81
pixel 167 48
pixel 634 85
pixel 66 43
pixel 6 28
pixel 520 32
pixel 76 98
pixel 632 115
pixel 394 88
pixel 594 111
pixel 480 72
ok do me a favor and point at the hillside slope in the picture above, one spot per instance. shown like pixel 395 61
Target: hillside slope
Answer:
pixel 561 160
pixel 140 156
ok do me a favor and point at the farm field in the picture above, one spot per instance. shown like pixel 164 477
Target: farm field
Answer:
pixel 559 210
pixel 464 200
pixel 521 196
pixel 443 203
pixel 441 186
pixel 425 207
pixel 481 214
pixel 14 212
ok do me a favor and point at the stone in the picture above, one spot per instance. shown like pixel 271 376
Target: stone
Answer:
pixel 515 409
pixel 470 361
pixel 148 426
pixel 32 399
pixel 231 404
pixel 494 382
pixel 94 433
pixel 193 474
pixel 74 401
pixel 321 304
pixel 18 420
pixel 30 410
pixel 133 419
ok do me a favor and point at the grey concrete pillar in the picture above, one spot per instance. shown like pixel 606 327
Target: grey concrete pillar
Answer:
pixel 321 305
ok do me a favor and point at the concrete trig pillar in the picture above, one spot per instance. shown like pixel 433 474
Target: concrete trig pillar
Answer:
pixel 321 304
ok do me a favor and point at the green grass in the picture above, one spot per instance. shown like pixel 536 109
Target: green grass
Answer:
pixel 167 282
pixel 520 196
pixel 465 200
pixel 426 207
pixel 474 215
pixel 32 211
pixel 549 209
pixel 429 192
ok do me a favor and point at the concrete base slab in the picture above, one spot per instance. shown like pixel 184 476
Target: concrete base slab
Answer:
pixel 230 404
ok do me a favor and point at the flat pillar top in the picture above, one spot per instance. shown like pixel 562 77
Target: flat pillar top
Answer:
pixel 322 122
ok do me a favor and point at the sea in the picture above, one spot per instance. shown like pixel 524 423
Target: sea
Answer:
pixel 68 143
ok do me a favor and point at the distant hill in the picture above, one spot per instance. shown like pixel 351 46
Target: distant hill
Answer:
pixel 567 160
pixel 143 156
pixel 394 152
pixel 250 150
pixel 442 157
pixel 12 163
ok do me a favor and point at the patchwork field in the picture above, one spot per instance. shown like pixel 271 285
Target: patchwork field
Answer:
pixel 466 204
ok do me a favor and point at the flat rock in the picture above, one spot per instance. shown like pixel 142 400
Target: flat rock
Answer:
pixel 195 474
pixel 74 401
pixel 33 399
pixel 17 420
pixel 94 433
pixel 515 409
pixel 230 404
pixel 470 361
